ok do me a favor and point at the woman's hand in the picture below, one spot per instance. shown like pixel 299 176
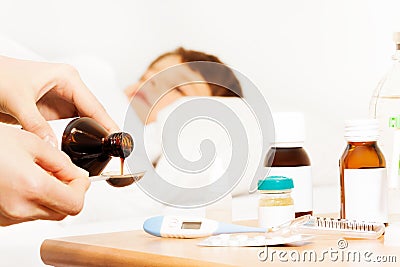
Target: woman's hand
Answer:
pixel 33 92
pixel 37 181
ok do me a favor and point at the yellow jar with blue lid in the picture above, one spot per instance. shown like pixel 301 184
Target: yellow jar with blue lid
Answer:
pixel 276 204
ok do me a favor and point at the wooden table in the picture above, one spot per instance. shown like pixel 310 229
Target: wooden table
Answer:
pixel 136 248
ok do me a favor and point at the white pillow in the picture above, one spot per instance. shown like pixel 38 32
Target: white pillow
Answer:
pixel 195 132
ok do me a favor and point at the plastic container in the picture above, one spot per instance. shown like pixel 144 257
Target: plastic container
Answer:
pixel 385 106
pixel 276 204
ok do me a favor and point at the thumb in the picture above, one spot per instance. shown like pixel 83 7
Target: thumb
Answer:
pixel 32 121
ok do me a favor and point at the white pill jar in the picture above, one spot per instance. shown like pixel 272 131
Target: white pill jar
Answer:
pixel 276 205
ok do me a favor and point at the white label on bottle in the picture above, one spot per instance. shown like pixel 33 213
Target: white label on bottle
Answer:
pixel 392 162
pixel 275 215
pixel 366 194
pixel 302 193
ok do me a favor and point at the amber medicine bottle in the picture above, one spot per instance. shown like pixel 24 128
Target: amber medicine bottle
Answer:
pixel 288 158
pixel 363 178
pixel 91 147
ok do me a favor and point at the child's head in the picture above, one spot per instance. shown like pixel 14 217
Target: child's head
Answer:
pixel 143 99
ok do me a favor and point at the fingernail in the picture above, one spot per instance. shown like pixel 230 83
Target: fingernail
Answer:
pixel 49 139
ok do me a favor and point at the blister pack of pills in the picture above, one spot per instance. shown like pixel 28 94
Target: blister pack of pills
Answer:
pixel 228 240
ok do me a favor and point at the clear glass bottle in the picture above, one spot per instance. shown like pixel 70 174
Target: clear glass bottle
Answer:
pixel 276 204
pixel 287 157
pixel 385 106
pixel 363 180
pixel 91 147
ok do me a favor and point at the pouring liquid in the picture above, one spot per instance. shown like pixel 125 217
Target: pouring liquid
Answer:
pixel 121 182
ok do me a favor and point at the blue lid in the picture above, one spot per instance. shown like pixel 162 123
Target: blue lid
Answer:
pixel 275 183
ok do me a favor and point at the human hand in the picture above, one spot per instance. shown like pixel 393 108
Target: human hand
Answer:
pixel 33 92
pixel 37 181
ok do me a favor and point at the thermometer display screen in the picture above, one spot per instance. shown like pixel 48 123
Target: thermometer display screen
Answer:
pixel 191 225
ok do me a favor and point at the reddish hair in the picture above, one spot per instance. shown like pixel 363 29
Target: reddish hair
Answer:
pixel 226 76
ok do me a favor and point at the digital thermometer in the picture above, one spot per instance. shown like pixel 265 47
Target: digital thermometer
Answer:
pixel 189 227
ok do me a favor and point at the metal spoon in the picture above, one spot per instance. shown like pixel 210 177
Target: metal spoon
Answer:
pixel 110 175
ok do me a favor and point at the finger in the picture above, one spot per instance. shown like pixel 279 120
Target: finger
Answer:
pixel 6 118
pixel 29 212
pixel 74 90
pixel 56 162
pixel 23 210
pixel 87 105
pixel 44 213
pixel 5 221
pixel 63 198
pixel 52 106
pixel 32 120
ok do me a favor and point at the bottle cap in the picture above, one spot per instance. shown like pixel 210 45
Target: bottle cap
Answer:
pixel 361 130
pixel 289 129
pixel 275 183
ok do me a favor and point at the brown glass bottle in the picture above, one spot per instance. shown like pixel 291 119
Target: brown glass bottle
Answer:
pixel 358 155
pixel 285 162
pixel 91 147
pixel 363 181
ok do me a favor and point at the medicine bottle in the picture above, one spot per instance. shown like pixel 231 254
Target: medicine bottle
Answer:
pixel 288 158
pixel 276 203
pixel 385 106
pixel 91 147
pixel 363 180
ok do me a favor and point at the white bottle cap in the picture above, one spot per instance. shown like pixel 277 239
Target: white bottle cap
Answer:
pixel 289 129
pixel 361 130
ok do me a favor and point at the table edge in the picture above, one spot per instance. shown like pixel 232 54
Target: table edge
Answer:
pixel 53 252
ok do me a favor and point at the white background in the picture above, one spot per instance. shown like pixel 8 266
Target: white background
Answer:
pixel 320 57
